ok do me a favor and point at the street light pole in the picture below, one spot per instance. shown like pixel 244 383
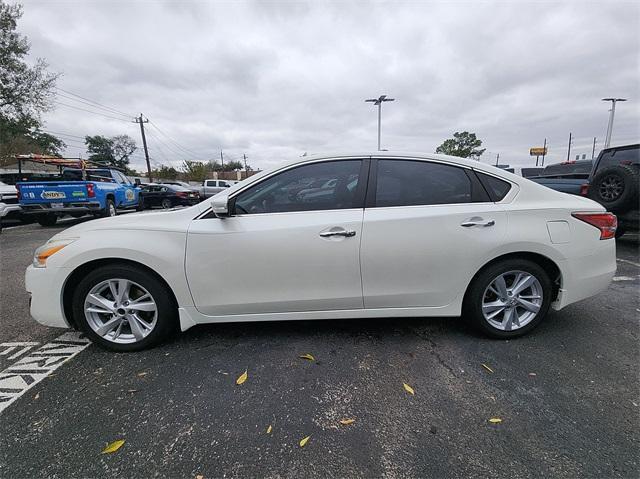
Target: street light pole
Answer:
pixel 612 113
pixel 378 101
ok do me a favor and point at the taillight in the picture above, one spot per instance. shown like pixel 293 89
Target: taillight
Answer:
pixel 584 189
pixel 605 222
pixel 18 192
pixel 91 193
pixel 182 194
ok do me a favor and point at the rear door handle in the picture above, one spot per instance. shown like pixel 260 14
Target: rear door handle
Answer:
pixel 473 222
pixel 341 232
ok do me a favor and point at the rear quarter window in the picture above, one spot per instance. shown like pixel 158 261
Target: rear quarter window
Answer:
pixel 496 187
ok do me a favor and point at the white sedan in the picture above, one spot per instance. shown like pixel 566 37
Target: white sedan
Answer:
pixel 418 235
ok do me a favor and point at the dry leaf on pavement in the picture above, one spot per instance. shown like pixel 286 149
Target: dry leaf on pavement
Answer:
pixel 243 377
pixel 269 429
pixel 113 447
pixel 408 388
pixel 487 368
pixel 304 441
pixel 307 356
pixel 495 420
pixel 346 422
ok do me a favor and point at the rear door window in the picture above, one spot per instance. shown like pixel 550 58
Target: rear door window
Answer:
pixel 496 187
pixel 414 182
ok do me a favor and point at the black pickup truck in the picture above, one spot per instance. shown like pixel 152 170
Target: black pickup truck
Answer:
pixel 614 183
pixel 568 177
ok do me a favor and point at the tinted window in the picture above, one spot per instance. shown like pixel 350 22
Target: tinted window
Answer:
pixel 626 156
pixel 582 167
pixel 405 183
pixel 320 186
pixel 496 187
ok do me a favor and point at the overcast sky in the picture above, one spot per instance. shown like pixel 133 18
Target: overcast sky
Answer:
pixel 276 79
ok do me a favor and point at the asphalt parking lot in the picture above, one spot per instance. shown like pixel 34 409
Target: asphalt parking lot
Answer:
pixel 568 395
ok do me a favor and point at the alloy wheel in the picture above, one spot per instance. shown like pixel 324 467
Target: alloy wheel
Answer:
pixel 512 300
pixel 120 311
pixel 611 188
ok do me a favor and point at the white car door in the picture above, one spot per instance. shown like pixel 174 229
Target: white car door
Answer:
pixel 281 251
pixel 428 227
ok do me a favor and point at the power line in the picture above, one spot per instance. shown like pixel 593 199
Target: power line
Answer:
pixel 82 102
pixel 95 103
pixel 187 150
pixel 91 111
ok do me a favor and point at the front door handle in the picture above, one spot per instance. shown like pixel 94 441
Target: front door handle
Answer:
pixel 341 232
pixel 474 222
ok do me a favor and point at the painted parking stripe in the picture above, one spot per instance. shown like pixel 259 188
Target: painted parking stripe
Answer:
pixel 21 376
pixel 15 349
pixel 637 265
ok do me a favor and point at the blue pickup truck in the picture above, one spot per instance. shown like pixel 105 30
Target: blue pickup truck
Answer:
pixel 569 177
pixel 99 191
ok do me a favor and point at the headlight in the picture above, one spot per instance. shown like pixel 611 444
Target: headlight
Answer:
pixel 50 248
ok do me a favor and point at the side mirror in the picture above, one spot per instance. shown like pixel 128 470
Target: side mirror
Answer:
pixel 137 182
pixel 220 205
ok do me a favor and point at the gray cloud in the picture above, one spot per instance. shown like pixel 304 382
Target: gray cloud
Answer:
pixel 275 79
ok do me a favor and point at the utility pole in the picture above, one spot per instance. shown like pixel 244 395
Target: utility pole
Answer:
pixel 612 112
pixel 593 151
pixel 245 161
pixel 544 152
pixel 378 101
pixel 497 158
pixel 142 121
pixel 221 161
pixel 569 147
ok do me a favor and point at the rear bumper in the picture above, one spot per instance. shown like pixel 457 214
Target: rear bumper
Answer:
pixel 45 286
pixel 6 208
pixel 67 208
pixel 586 276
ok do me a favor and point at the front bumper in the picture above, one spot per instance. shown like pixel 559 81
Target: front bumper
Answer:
pixel 6 208
pixel 45 286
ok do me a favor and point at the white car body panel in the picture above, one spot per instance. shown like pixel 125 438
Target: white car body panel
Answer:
pixel 403 261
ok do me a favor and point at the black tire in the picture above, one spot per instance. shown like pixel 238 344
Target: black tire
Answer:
pixel 47 219
pixel 615 187
pixel 167 310
pixel 141 206
pixel 166 203
pixel 109 209
pixel 472 306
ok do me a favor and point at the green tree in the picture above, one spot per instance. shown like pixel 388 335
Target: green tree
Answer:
pixel 113 151
pixel 25 92
pixel 233 166
pixel 464 145
pixel 195 170
pixel 165 173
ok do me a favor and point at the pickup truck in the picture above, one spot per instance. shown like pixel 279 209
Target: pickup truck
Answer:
pixel 8 202
pixel 569 177
pixel 615 184
pixel 99 191
pixel 212 187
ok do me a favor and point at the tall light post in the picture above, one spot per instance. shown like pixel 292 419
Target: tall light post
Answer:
pixel 612 113
pixel 378 101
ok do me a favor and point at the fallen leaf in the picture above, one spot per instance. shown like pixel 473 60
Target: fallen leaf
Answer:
pixel 495 420
pixel 269 429
pixel 144 373
pixel 242 378
pixel 113 447
pixel 307 356
pixel 132 390
pixel 408 388
pixel 532 374
pixel 346 422
pixel 199 476
pixel 37 396
pixel 304 441
pixel 487 368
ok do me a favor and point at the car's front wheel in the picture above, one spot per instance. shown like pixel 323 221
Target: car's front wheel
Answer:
pixel 124 308
pixel 508 298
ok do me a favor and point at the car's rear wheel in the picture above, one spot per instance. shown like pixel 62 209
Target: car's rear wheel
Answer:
pixel 109 209
pixel 166 203
pixel 124 308
pixel 508 298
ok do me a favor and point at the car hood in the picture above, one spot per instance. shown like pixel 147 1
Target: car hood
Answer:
pixel 173 220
